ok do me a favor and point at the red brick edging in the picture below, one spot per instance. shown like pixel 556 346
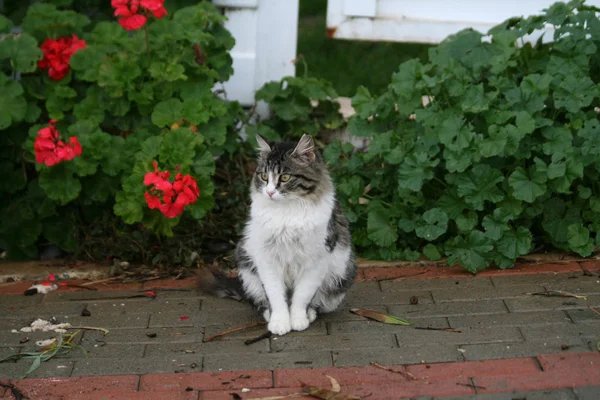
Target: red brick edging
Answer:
pixel 364 274
pixel 554 371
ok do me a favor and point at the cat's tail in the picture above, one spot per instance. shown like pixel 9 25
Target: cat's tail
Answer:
pixel 216 284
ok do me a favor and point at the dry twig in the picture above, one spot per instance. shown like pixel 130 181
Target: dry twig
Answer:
pixel 230 331
pixel 406 374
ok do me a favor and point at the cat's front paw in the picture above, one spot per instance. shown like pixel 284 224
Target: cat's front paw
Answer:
pixel 299 321
pixel 279 324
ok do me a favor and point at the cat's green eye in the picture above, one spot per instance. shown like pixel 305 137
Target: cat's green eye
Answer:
pixel 264 177
pixel 285 178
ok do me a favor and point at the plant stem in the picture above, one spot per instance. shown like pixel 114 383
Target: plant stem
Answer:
pixel 147 44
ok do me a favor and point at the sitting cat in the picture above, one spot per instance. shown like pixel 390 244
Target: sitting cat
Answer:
pixel 295 259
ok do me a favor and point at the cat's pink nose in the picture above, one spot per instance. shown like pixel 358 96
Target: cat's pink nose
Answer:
pixel 270 193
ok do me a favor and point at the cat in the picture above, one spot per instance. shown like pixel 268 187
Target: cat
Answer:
pixel 295 259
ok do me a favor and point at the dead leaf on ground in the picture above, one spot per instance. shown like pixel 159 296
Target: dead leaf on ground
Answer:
pixel 335 386
pixel 381 317
pixel 558 293
pixel 325 394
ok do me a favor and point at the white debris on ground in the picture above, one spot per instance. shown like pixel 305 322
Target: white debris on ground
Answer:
pixel 42 289
pixel 45 343
pixel 42 325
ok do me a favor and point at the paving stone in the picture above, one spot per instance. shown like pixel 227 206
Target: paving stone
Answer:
pixel 317 328
pixel 332 342
pixel 371 327
pixel 583 315
pixel 235 362
pixel 542 303
pixel 176 320
pixel 199 348
pixel 10 339
pixel 8 301
pixel 105 350
pixel 537 279
pixel 9 351
pixel 51 368
pixel 240 316
pixel 510 319
pixel 587 392
pixel 213 303
pixel 466 335
pixel 163 335
pixel 459 294
pixel 344 314
pixel 449 309
pixel 165 364
pixel 587 330
pixel 403 355
pixel 91 296
pixel 553 394
pixel 581 286
pixel 436 283
pixel 528 348
pixel 386 298
pixel 118 321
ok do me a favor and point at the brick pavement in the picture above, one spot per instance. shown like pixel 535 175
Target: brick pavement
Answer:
pixel 546 343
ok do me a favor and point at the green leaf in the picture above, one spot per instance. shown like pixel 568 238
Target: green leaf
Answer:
pixel 455 134
pixel 59 184
pixel 22 50
pixel 5 24
pixel 473 100
pixel 431 252
pixel 558 142
pixel 130 210
pixel 433 225
pixel 579 239
pixel 496 224
pixel 525 187
pixel 515 243
pixel 524 122
pixel 466 223
pixel 480 184
pixel 380 229
pixel 362 102
pixel 13 106
pixel 471 251
pixel 178 148
pixel 380 317
pixel 60 231
pixel 415 170
pixel 574 93
pixel 167 112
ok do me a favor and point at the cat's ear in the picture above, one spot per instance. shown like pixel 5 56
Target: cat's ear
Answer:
pixel 263 146
pixel 305 149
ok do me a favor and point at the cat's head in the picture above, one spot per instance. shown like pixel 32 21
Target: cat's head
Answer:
pixel 290 171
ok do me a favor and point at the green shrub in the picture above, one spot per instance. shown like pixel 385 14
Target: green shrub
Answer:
pixel 127 98
pixel 504 159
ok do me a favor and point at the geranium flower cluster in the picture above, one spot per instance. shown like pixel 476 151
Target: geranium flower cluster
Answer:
pixel 170 198
pixel 50 150
pixel 131 15
pixel 57 54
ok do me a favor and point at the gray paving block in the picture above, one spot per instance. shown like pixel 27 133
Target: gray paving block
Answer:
pixel 386 298
pixel 130 336
pixel 118 321
pixel 583 315
pixel 91 296
pixel 121 366
pixel 9 301
pixel 9 351
pixel 552 394
pixel 522 349
pixel 332 342
pixel 449 309
pixel 510 319
pixel 106 350
pixel 436 283
pixel 213 347
pixel 236 362
pixel 537 279
pixel 562 331
pixel 213 303
pixel 239 316
pixel 372 327
pixel 404 355
pixel 344 314
pixel 587 392
pixel 542 303
pixel 52 368
pixel 317 328
pixel 466 336
pixel 10 339
pixel 481 293
pixel 177 320
pixel 577 286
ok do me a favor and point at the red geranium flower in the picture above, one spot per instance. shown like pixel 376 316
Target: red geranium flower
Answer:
pixel 57 54
pixel 128 11
pixel 50 150
pixel 170 198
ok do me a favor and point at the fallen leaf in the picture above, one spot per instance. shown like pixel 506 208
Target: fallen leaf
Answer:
pixel 325 394
pixel 558 293
pixel 150 293
pixel 85 312
pixel 380 317
pixel 335 386
pixel 184 318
